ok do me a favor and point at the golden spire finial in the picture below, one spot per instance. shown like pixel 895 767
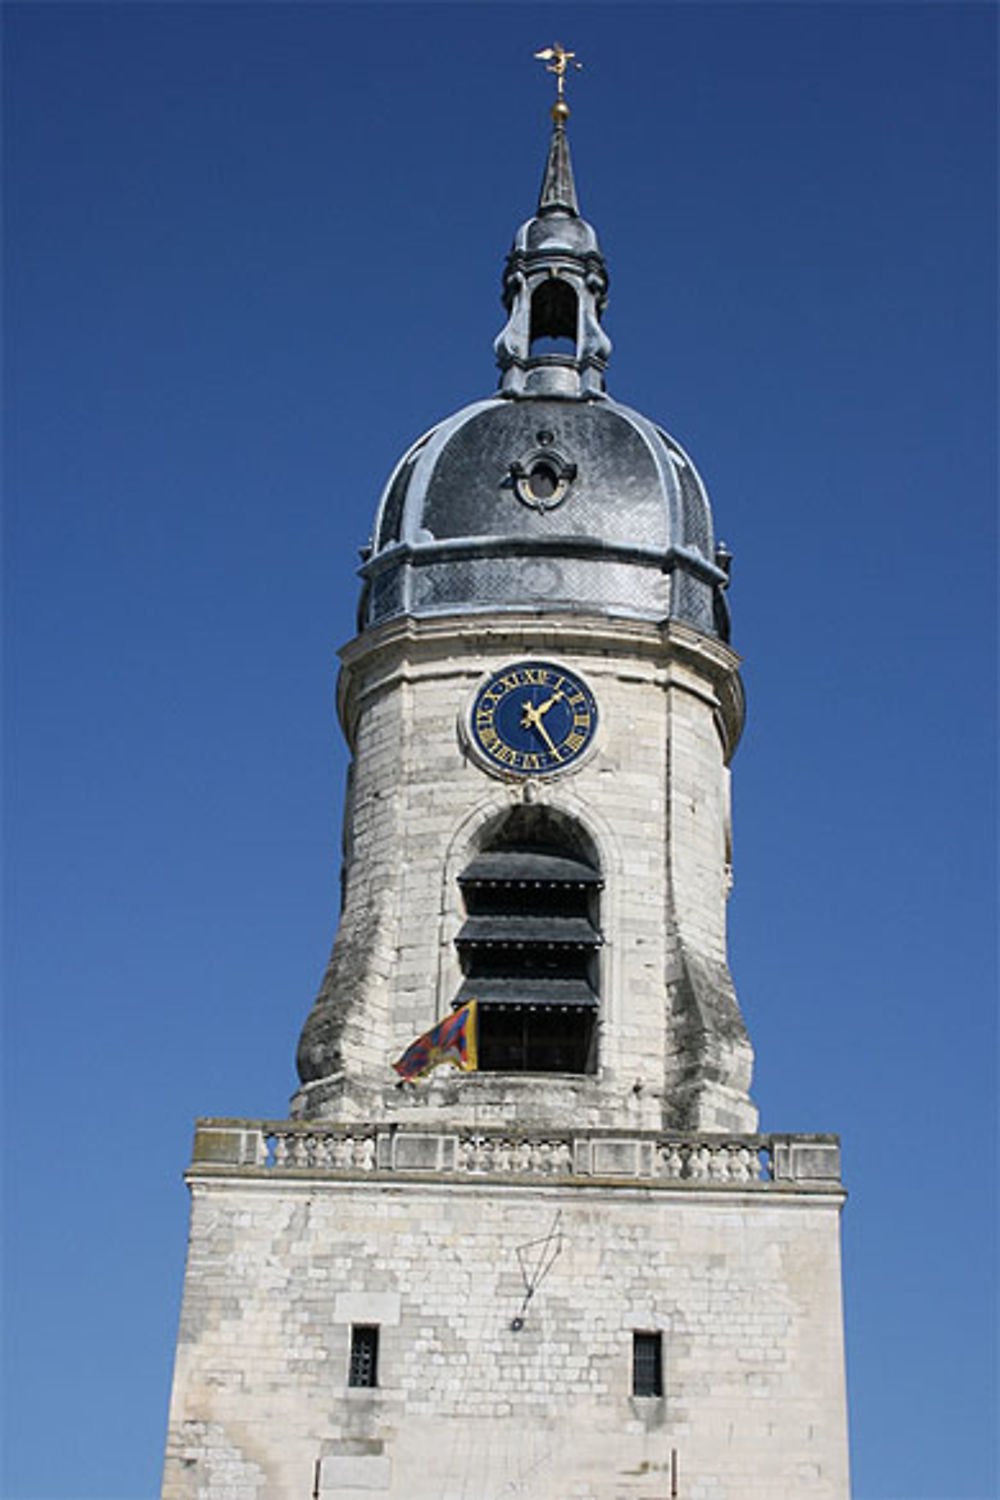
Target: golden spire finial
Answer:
pixel 557 60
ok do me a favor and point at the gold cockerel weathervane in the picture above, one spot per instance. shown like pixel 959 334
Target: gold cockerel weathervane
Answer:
pixel 557 60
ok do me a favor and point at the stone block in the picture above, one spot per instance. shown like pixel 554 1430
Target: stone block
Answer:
pixel 226 1145
pixel 807 1161
pixel 367 1307
pixel 421 1153
pixel 340 1474
pixel 615 1158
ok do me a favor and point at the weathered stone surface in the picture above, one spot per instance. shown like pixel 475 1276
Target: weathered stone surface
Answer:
pixel 744 1286
pixel 653 801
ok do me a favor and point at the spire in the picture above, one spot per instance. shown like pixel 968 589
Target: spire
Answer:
pixel 555 281
pixel 558 188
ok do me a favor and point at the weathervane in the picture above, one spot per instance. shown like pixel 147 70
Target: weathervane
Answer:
pixel 557 60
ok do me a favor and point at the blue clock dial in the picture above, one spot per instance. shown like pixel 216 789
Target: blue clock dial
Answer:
pixel 532 719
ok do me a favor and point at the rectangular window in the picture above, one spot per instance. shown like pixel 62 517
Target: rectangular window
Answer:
pixel 647 1364
pixel 363 1369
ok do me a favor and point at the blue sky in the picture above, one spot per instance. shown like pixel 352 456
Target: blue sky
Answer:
pixel 251 251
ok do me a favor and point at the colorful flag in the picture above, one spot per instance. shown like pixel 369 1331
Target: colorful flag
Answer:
pixel 452 1040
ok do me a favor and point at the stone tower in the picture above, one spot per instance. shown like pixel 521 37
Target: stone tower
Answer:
pixel 578 1270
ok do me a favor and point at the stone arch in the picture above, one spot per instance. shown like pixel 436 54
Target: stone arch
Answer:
pixel 540 821
pixel 554 316
pixel 551 806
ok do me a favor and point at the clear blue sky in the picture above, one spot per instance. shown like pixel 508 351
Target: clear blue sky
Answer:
pixel 251 252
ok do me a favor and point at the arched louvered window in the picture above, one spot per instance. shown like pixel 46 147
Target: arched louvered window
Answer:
pixel 529 948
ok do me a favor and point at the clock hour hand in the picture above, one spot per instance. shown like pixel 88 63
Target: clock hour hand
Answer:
pixel 543 708
pixel 531 718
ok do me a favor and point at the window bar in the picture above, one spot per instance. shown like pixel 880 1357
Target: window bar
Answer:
pixel 363 1369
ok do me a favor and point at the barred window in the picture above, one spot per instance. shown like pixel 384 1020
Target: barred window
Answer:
pixel 363 1369
pixel 647 1364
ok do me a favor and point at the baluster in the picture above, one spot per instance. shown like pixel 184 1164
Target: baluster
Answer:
pixel 522 1157
pixel 672 1161
pixel 718 1163
pixel 698 1163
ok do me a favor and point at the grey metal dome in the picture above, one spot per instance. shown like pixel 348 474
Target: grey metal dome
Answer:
pixel 542 502
pixel 549 495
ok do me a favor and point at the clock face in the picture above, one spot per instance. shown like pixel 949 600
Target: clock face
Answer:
pixel 532 719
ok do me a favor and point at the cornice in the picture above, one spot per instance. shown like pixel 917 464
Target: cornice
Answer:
pixel 397 650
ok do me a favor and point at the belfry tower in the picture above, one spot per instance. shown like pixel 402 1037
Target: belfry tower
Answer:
pixel 576 1271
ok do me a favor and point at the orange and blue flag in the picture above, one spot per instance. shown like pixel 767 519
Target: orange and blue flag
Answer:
pixel 452 1040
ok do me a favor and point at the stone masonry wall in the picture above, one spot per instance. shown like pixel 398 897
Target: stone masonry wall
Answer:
pixel 744 1288
pixel 653 797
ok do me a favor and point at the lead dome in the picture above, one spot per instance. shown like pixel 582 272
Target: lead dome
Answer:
pixel 551 494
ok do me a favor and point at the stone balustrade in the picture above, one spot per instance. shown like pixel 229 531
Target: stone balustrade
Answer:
pixel 290 1148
